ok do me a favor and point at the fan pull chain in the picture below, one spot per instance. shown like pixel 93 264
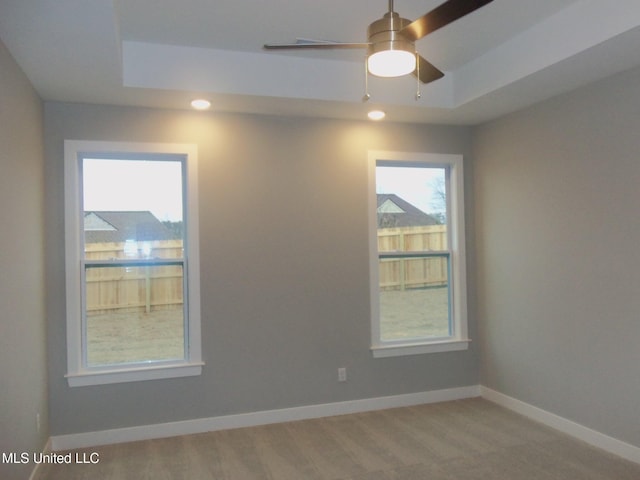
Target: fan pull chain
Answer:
pixel 367 96
pixel 418 93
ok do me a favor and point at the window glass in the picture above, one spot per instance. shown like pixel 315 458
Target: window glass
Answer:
pixel 413 253
pixel 132 210
pixel 134 314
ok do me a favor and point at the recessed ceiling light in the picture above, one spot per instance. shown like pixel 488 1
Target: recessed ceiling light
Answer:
pixel 376 115
pixel 201 104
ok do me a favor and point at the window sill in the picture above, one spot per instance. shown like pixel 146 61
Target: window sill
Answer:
pixel 398 350
pixel 133 374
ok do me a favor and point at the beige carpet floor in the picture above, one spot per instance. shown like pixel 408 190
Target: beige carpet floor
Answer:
pixel 460 440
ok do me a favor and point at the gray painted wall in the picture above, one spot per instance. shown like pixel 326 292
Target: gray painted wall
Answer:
pixel 284 266
pixel 23 382
pixel 558 272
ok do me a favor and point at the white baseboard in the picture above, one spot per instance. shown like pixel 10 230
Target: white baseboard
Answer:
pixel 592 437
pixel 201 425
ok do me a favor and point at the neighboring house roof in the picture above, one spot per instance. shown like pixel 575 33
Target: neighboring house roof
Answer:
pixel 394 211
pixel 103 227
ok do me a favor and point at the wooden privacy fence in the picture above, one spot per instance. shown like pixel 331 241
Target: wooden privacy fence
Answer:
pixel 406 272
pixel 149 288
pixel 133 288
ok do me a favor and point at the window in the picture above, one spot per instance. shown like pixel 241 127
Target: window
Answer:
pixel 417 259
pixel 132 271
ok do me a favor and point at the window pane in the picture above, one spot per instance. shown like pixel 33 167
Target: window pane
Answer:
pixel 134 314
pixel 132 208
pixel 411 197
pixel 413 292
pixel 412 309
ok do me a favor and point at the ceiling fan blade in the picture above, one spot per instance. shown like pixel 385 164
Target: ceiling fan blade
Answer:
pixel 311 44
pixel 448 12
pixel 426 72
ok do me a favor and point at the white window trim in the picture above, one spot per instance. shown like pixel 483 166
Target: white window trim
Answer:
pixel 459 340
pixel 77 373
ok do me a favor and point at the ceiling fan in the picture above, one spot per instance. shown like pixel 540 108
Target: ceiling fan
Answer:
pixel 391 40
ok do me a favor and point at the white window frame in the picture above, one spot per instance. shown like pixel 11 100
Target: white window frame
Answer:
pixel 456 245
pixel 78 373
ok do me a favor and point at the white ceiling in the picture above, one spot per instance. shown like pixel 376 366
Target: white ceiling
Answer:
pixel 162 53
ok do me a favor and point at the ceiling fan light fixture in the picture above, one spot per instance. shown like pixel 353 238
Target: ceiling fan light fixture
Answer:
pixel 390 53
pixel 391 63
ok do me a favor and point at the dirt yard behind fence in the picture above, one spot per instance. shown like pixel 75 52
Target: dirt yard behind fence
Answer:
pixel 135 337
pixel 159 335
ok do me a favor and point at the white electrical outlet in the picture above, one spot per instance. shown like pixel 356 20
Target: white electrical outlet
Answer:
pixel 342 374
